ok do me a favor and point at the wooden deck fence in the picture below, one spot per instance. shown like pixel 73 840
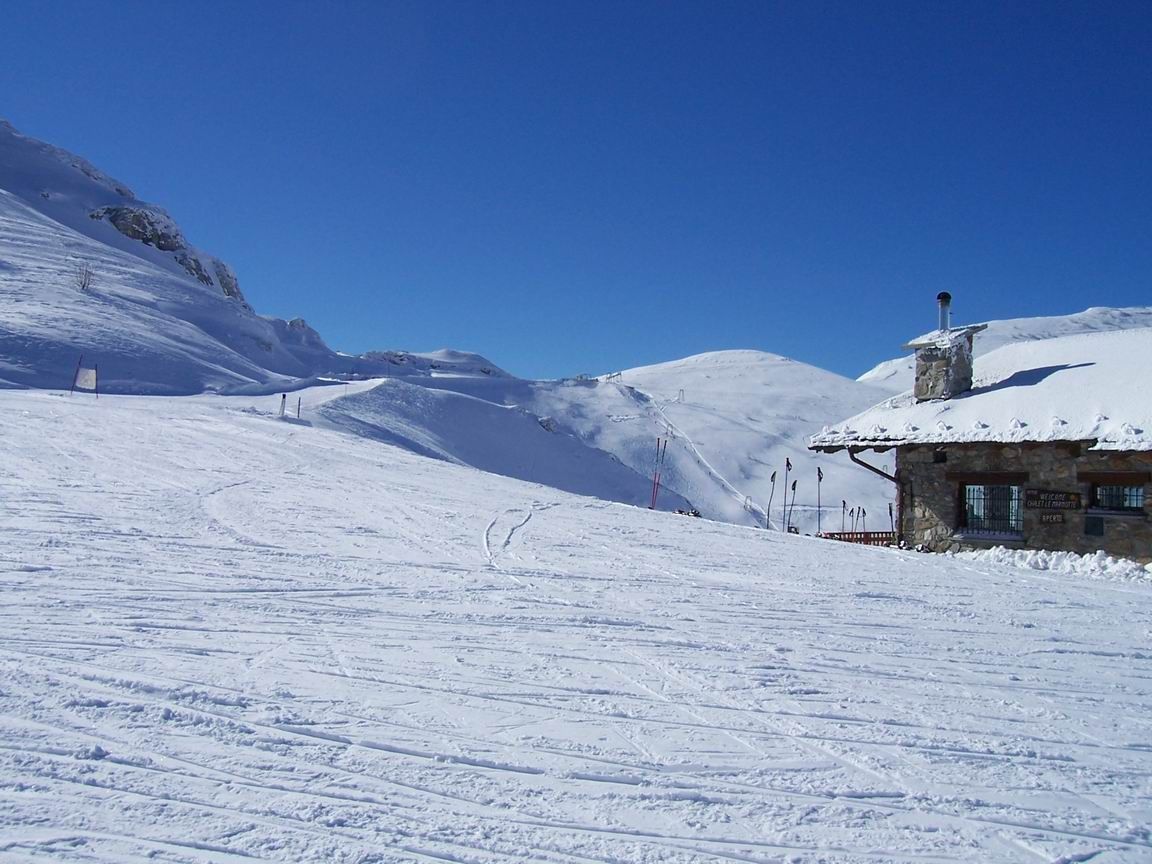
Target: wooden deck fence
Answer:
pixel 867 538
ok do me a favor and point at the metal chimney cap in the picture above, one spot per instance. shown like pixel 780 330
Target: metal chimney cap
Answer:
pixel 944 297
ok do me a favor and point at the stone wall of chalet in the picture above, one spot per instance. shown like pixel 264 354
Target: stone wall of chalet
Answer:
pixel 930 499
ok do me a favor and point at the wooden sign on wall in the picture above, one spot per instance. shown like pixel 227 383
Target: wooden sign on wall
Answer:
pixel 1047 499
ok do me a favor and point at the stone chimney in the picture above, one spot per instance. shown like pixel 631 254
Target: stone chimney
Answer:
pixel 944 356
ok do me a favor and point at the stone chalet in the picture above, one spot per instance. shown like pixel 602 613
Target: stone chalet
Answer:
pixel 1037 445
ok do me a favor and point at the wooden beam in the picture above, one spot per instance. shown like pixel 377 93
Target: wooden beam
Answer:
pixel 988 478
pixel 1115 478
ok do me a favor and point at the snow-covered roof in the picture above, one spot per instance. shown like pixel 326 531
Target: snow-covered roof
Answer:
pixel 1087 387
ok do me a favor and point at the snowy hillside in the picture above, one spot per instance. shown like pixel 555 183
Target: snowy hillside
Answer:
pixel 159 315
pixel 163 317
pixel 734 417
pixel 896 375
pixel 73 192
pixel 306 646
pixel 743 413
pixel 489 435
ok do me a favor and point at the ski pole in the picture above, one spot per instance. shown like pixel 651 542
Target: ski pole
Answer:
pixel 655 470
pixel 819 480
pixel 659 472
pixel 784 514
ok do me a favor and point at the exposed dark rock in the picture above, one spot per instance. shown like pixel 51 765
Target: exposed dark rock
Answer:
pixel 299 333
pixel 227 281
pixel 153 228
pixel 145 226
pixel 194 266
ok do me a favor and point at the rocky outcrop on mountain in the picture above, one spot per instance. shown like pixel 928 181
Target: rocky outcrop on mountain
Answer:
pixel 77 194
pixel 153 227
pixel 193 266
pixel 150 226
pixel 308 334
pixel 227 281
pixel 88 268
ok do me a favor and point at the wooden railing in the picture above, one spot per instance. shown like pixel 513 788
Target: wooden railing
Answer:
pixel 867 538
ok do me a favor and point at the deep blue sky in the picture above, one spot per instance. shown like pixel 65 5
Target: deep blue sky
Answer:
pixel 582 186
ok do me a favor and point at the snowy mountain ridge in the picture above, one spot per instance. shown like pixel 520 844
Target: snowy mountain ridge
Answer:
pixel 72 191
pixel 159 314
pixel 152 324
pixel 163 317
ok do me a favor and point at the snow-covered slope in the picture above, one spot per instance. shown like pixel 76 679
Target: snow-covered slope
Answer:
pixel 72 192
pixel 162 316
pixel 159 315
pixel 735 417
pixel 742 414
pixel 152 327
pixel 896 375
pixel 306 646
pixel 489 435
pixel 147 328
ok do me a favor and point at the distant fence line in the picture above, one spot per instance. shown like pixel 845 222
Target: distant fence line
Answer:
pixel 865 538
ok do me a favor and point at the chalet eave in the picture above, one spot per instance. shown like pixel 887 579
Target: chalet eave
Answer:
pixel 1098 445
pixel 877 446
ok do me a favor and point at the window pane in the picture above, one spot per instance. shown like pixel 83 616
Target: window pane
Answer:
pixel 1119 497
pixel 992 509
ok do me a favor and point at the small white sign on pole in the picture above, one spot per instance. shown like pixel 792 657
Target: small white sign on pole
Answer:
pixel 85 379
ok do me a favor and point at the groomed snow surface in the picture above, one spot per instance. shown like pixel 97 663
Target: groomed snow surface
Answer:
pixel 227 637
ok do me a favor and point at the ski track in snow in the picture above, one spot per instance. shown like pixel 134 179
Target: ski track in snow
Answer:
pixel 225 638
